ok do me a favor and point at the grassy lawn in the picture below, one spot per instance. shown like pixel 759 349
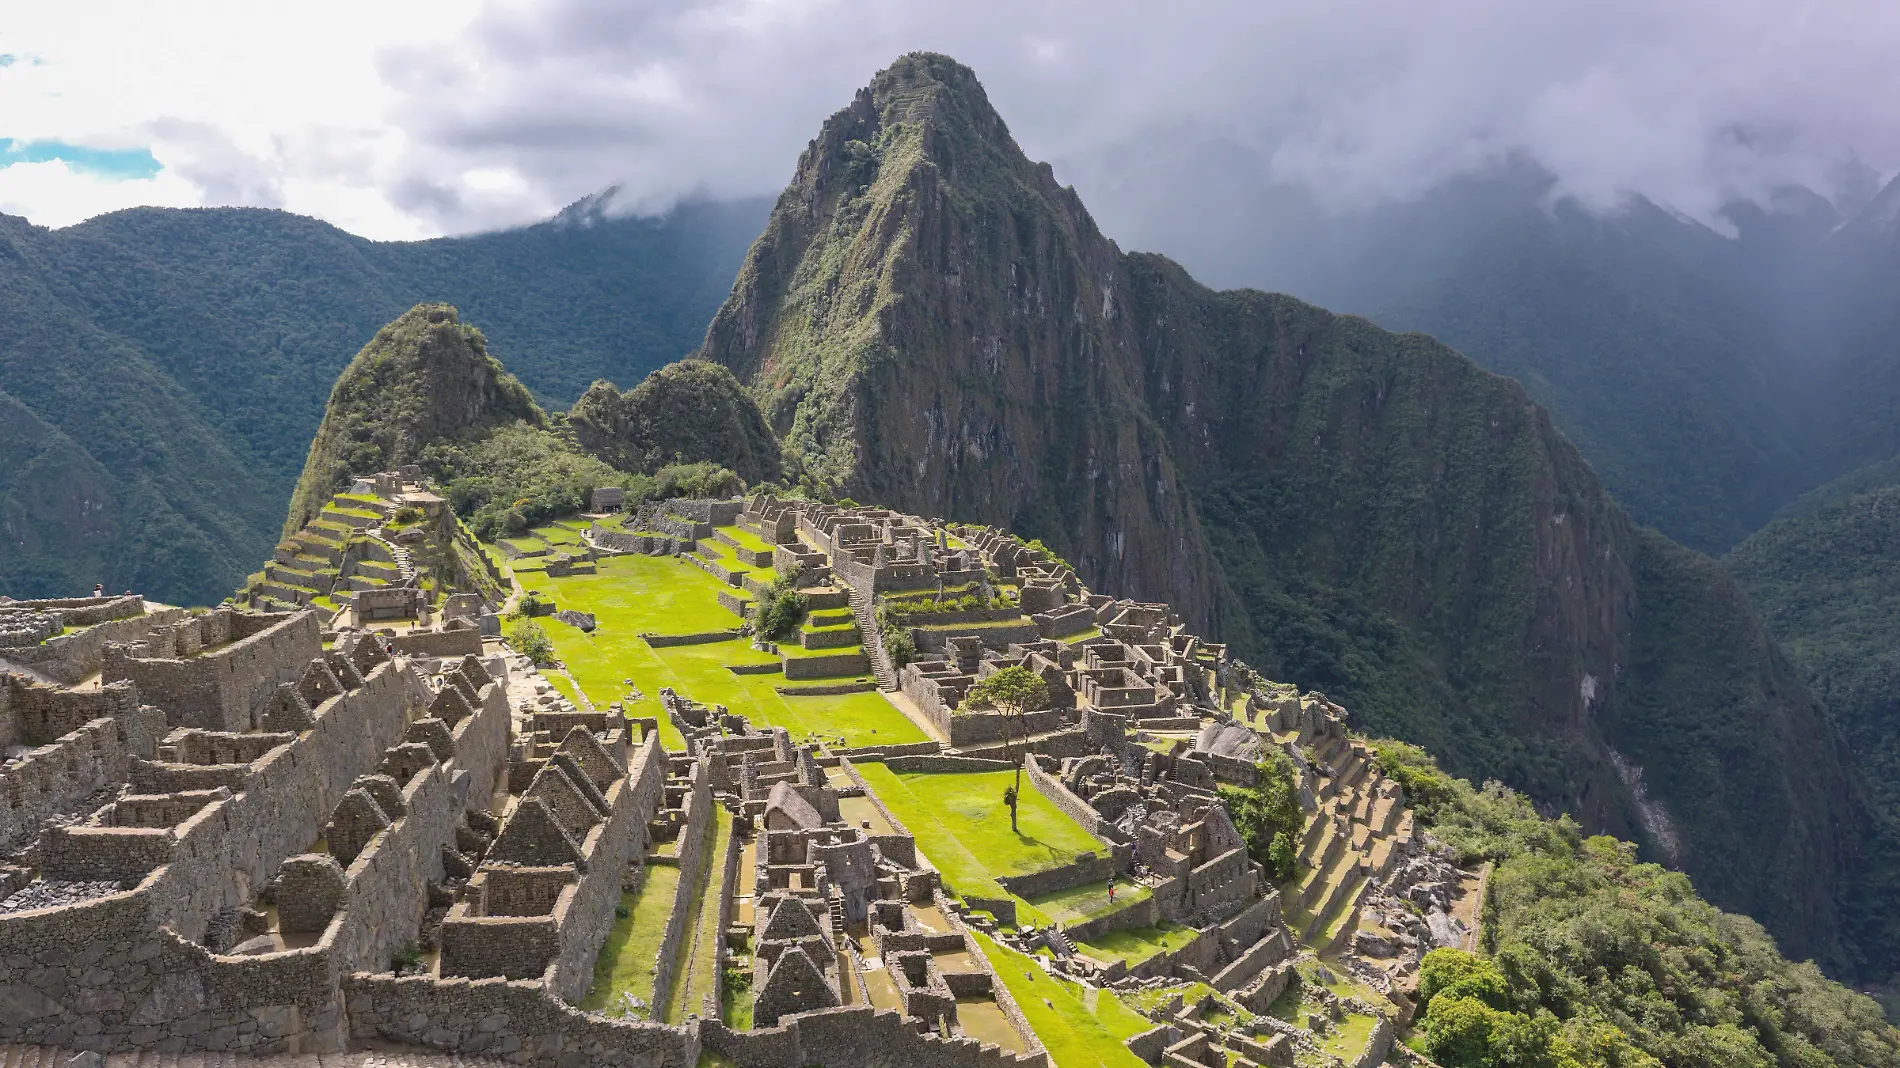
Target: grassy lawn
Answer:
pixel 960 823
pixel 1080 903
pixel 626 962
pixel 1137 944
pixel 724 555
pixel 1348 1038
pixel 556 534
pixel 745 538
pixel 1079 1025
pixel 697 972
pixel 632 594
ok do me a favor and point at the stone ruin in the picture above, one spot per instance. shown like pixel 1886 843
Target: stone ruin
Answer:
pixel 275 837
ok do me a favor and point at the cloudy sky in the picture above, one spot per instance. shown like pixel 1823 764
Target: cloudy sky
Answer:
pixel 399 119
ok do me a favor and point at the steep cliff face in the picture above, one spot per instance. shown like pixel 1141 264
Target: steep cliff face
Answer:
pixel 929 320
pixel 423 381
pixel 690 410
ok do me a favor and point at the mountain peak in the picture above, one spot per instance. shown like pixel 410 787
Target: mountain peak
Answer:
pixel 424 379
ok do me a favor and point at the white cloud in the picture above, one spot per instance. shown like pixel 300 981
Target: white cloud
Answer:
pixel 417 118
pixel 55 194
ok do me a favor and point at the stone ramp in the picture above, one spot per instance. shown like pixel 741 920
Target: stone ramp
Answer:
pixel 12 1056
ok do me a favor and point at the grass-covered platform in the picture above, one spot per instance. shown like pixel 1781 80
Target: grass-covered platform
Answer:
pixel 961 825
pixel 625 964
pixel 1080 1026
pixel 631 595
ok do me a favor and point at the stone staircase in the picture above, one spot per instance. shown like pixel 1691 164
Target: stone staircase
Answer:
pixel 18 1056
pixel 863 606
pixel 405 564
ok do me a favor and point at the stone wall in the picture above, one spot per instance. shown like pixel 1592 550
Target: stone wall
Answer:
pixel 221 689
pixel 1065 799
pixel 58 777
pixel 585 924
pixel 983 728
pixel 161 989
pixel 695 852
pixel 827 666
pixel 1095 869
pixel 999 638
pixel 708 637
pixel 465 642
pixel 69 658
pixel 34 714
pixel 940 762
pixel 861 1037
pixel 273 818
pixel 512 1019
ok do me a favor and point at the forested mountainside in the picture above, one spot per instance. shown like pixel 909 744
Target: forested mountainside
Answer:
pixel 426 391
pixel 1826 578
pixel 930 320
pixel 174 364
pixel 1651 343
pixel 1710 370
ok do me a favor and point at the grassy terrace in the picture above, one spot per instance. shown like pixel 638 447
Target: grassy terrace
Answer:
pixel 724 557
pixel 1080 903
pixel 1079 1025
pixel 1137 944
pixel 696 972
pixel 745 538
pixel 634 594
pixel 960 823
pixel 625 964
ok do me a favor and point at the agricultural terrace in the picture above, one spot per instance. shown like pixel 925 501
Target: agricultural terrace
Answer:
pixel 631 595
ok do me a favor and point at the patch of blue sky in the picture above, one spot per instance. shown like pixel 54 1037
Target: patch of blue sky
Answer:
pixel 114 163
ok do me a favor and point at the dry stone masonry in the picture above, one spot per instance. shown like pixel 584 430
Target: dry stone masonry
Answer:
pixel 343 814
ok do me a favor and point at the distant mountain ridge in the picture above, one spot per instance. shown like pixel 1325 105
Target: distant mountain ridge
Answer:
pixel 173 364
pixel 929 319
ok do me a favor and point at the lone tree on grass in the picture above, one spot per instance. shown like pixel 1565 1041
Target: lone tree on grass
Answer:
pixel 1014 691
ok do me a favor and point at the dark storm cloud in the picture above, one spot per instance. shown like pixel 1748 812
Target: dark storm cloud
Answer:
pixel 1338 104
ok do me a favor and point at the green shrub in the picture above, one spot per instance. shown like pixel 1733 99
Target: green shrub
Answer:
pixel 527 638
pixel 777 612
pixel 1598 961
pixel 1268 815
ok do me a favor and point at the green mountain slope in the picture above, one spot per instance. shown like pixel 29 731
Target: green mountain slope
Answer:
pixel 226 328
pixel 1826 578
pixel 115 474
pixel 426 391
pixel 1641 333
pixel 930 320
pixel 687 409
